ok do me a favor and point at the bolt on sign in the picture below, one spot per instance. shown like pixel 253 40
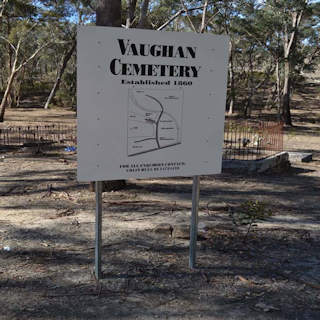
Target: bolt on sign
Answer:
pixel 150 103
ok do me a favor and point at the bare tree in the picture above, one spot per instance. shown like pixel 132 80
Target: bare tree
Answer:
pixel 178 14
pixel 17 66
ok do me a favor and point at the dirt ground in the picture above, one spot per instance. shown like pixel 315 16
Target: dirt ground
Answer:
pixel 47 239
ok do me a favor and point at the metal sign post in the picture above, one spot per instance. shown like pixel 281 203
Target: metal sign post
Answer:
pixel 194 221
pixel 98 229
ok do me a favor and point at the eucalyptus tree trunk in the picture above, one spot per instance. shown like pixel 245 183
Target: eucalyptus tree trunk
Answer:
pixel 143 16
pixel 250 88
pixel 12 75
pixel 286 113
pixel 278 88
pixel 60 72
pixel 231 79
pixel 289 46
pixel 108 13
pixel 6 95
pixel 131 7
pixel 10 59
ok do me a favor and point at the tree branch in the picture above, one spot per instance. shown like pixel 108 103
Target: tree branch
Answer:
pixel 260 42
pixel 172 18
pixel 268 72
pixel 131 7
pixel 176 15
pixel 4 2
pixel 212 17
pixel 32 56
pixel 188 17
pixel 30 29
pixel 295 24
pixel 203 21
pixel 11 45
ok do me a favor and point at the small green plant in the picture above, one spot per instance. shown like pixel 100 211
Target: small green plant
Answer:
pixel 249 213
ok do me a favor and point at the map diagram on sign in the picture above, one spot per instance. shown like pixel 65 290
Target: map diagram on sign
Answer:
pixel 154 120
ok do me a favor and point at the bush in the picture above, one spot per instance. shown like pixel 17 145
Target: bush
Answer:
pixel 249 213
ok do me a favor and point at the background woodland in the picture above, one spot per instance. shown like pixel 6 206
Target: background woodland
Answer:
pixel 273 45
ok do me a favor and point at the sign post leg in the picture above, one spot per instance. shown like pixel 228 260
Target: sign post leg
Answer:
pixel 98 228
pixel 194 221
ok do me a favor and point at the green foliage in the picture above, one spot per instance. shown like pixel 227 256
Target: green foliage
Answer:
pixel 252 211
pixel 62 99
pixel 66 95
pixel 21 9
pixel 249 213
pixel 35 87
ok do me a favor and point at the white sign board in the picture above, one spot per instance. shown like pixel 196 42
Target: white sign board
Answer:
pixel 150 103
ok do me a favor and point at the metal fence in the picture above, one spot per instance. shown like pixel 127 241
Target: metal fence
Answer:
pixel 252 141
pixel 59 134
pixel 242 140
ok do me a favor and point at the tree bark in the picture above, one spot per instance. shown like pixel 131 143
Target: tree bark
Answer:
pixel 3 104
pixel 251 89
pixel 60 72
pixel 131 8
pixel 143 16
pixel 286 113
pixel 231 79
pixel 10 60
pixel 278 88
pixel 203 20
pixel 290 38
pixel 5 96
pixel 108 13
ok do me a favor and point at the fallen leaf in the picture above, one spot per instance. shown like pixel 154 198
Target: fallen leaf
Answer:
pixel 243 279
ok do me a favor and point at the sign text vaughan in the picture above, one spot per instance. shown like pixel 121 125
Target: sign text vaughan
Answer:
pixel 128 48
